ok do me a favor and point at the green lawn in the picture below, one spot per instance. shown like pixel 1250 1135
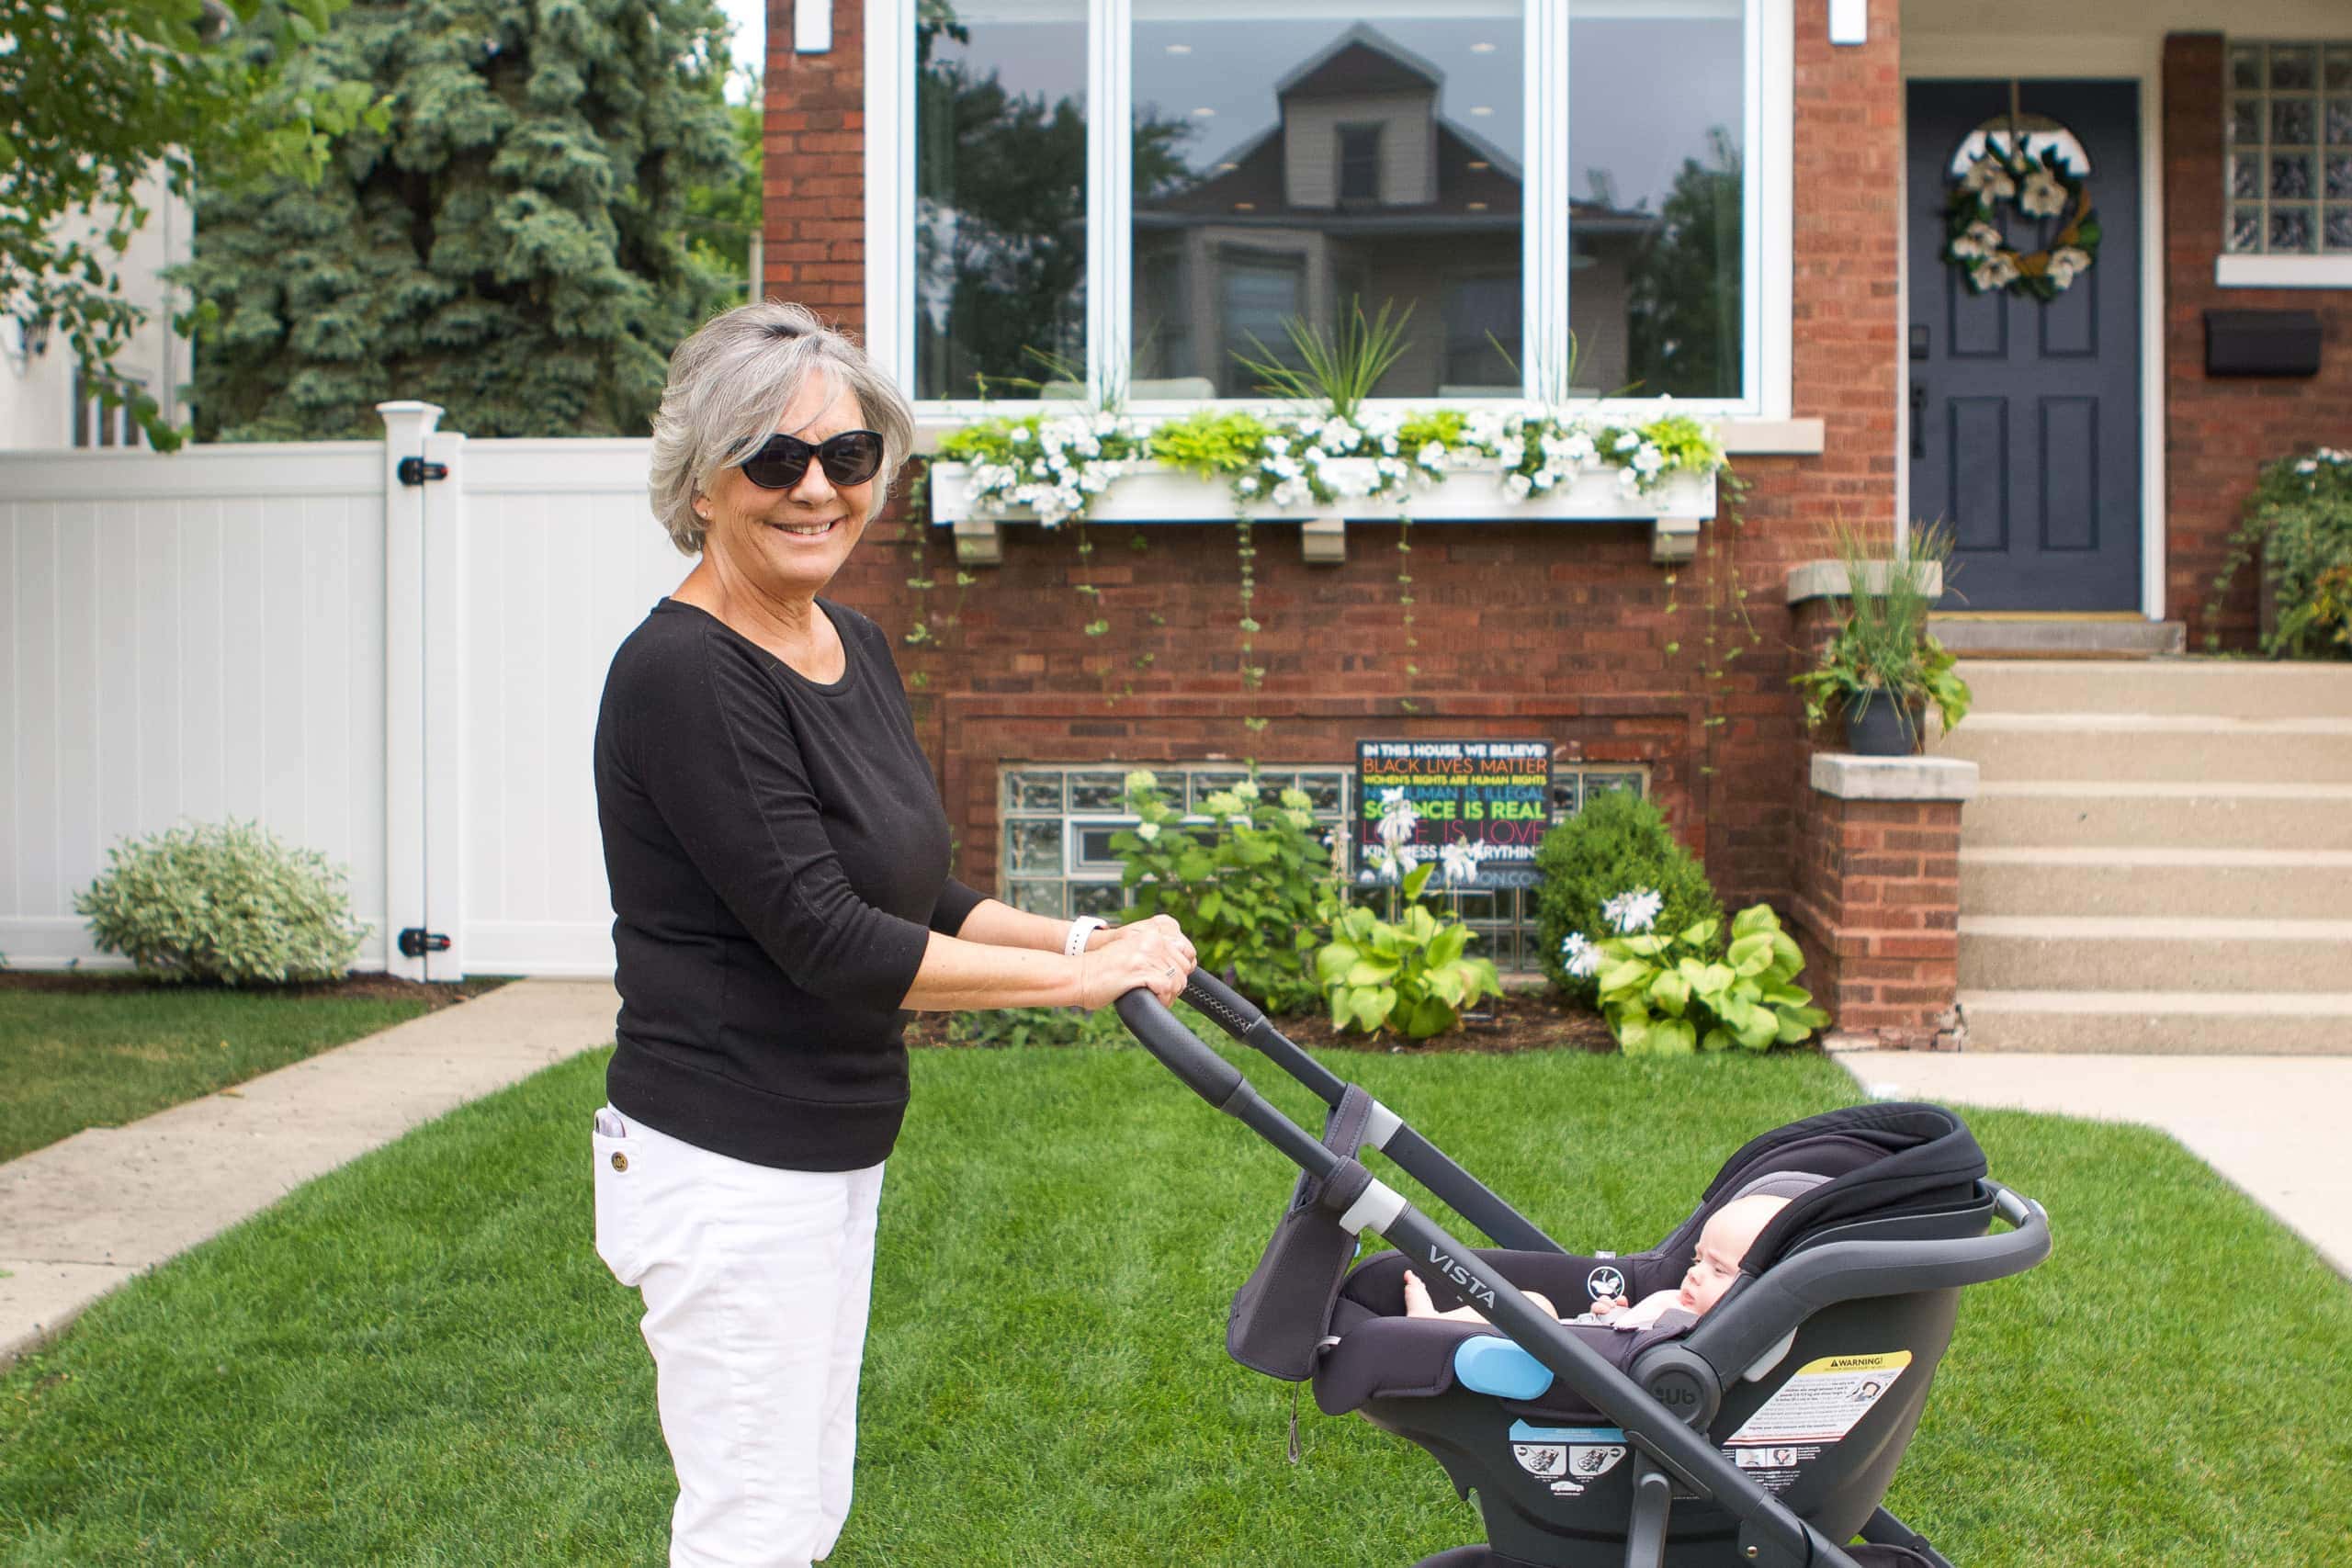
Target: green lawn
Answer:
pixel 419 1360
pixel 117 1051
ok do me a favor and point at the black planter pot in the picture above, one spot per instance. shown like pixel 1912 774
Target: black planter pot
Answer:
pixel 1881 727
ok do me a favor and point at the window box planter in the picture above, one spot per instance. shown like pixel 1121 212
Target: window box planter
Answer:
pixel 1161 494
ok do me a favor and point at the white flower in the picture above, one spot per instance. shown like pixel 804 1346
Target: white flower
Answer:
pixel 1248 484
pixel 1516 486
pixel 1581 449
pixel 1142 778
pixel 1338 435
pixel 1019 434
pixel 1245 789
pixel 1147 831
pixel 1627 442
pixel 1292 492
pixel 1582 957
pixel 1295 799
pixel 1431 453
pixel 1989 178
pixel 1510 453
pixel 1995 272
pixel 1460 861
pixel 2043 194
pixel 1987 238
pixel 1635 911
pixel 1966 248
pixel 1276 445
pixel 1649 460
pixel 1381 862
pixel 2307 467
pixel 1300 820
pixel 2066 261
pixel 1544 479
pixel 1223 803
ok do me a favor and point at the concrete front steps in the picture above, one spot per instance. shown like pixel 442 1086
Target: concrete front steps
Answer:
pixel 2159 857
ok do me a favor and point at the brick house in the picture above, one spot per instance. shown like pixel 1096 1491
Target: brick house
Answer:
pixel 1720 200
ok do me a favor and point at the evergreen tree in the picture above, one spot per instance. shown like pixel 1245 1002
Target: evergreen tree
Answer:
pixel 1683 309
pixel 511 245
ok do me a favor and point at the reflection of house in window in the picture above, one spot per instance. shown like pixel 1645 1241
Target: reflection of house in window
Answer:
pixel 1361 189
pixel 1359 163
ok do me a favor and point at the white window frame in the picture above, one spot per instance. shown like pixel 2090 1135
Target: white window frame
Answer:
pixel 1765 225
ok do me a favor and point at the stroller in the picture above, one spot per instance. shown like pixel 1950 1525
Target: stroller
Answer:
pixel 1766 1434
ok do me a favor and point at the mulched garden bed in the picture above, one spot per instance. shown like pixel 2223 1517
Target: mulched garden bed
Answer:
pixel 371 987
pixel 1522 1021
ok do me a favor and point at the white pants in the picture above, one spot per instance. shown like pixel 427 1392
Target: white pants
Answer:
pixel 756 1282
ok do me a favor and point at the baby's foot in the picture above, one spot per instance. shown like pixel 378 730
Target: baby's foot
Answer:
pixel 1417 1297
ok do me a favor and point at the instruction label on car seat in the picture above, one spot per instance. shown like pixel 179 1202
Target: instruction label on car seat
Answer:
pixel 1822 1401
pixel 1567 1459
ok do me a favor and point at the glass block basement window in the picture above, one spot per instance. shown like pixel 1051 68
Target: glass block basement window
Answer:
pixel 2288 168
pixel 1057 858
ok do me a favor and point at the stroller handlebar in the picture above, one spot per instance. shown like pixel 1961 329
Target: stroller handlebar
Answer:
pixel 1205 1072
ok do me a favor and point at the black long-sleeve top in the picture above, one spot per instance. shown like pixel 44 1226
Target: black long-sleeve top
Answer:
pixel 778 854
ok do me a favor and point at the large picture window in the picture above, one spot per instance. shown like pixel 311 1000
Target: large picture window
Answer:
pixel 1075 198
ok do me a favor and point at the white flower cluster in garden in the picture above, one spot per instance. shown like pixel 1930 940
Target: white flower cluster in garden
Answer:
pixel 1635 911
pixel 1581 956
pixel 1058 470
pixel 1542 450
pixel 1296 468
pixel 2328 455
pixel 1394 858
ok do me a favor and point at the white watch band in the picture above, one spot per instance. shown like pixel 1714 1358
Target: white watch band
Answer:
pixel 1080 929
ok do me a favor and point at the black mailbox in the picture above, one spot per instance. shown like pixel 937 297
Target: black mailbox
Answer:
pixel 2261 343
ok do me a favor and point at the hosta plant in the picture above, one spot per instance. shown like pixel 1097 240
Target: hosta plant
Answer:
pixel 1665 995
pixel 1409 974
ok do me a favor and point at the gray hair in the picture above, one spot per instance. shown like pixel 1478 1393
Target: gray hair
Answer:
pixel 732 382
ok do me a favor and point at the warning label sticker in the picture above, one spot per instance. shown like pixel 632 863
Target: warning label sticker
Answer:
pixel 1823 1400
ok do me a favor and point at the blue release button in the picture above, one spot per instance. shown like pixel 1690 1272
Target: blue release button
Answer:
pixel 1487 1365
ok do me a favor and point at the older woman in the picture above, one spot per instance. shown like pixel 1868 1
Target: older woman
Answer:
pixel 778 860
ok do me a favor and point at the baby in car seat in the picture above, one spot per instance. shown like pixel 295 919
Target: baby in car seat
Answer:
pixel 1724 1242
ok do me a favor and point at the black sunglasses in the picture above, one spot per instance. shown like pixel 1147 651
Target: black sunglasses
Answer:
pixel 850 459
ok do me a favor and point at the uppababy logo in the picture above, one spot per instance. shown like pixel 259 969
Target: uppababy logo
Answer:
pixel 1604 1281
pixel 1470 1284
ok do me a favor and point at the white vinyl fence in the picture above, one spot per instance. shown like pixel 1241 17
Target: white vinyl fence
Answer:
pixel 402 676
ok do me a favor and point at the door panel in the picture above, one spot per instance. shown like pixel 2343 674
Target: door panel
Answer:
pixel 2028 414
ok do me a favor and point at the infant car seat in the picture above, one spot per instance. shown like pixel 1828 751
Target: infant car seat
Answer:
pixel 1765 1432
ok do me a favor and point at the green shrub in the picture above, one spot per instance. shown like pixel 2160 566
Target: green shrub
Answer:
pixel 1253 887
pixel 1618 842
pixel 222 901
pixel 2299 521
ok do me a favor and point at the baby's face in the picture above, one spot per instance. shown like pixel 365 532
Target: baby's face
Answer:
pixel 1722 1243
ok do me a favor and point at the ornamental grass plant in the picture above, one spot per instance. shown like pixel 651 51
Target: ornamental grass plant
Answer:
pixel 1885 646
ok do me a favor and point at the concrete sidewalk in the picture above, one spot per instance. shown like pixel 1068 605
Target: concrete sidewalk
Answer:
pixel 89 1212
pixel 2272 1125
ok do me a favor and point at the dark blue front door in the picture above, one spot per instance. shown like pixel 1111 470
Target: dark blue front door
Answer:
pixel 2025 413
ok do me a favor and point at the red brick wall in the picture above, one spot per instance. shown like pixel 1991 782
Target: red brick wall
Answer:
pixel 1553 630
pixel 2217 433
pixel 1877 912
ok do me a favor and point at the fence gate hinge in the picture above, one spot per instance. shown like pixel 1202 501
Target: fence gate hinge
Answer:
pixel 416 470
pixel 416 942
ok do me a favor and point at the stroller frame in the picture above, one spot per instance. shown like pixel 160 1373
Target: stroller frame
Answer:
pixel 1666 1400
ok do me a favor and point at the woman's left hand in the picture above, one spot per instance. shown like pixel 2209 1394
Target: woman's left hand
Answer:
pixel 1165 925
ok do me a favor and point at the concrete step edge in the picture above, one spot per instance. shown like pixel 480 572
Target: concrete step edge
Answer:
pixel 2010 722
pixel 2150 928
pixel 2204 1004
pixel 2156 855
pixel 2157 789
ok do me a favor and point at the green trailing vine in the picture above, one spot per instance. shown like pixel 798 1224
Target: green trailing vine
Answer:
pixel 2298 522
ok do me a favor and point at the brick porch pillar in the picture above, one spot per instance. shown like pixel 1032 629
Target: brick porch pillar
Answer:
pixel 1877 894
